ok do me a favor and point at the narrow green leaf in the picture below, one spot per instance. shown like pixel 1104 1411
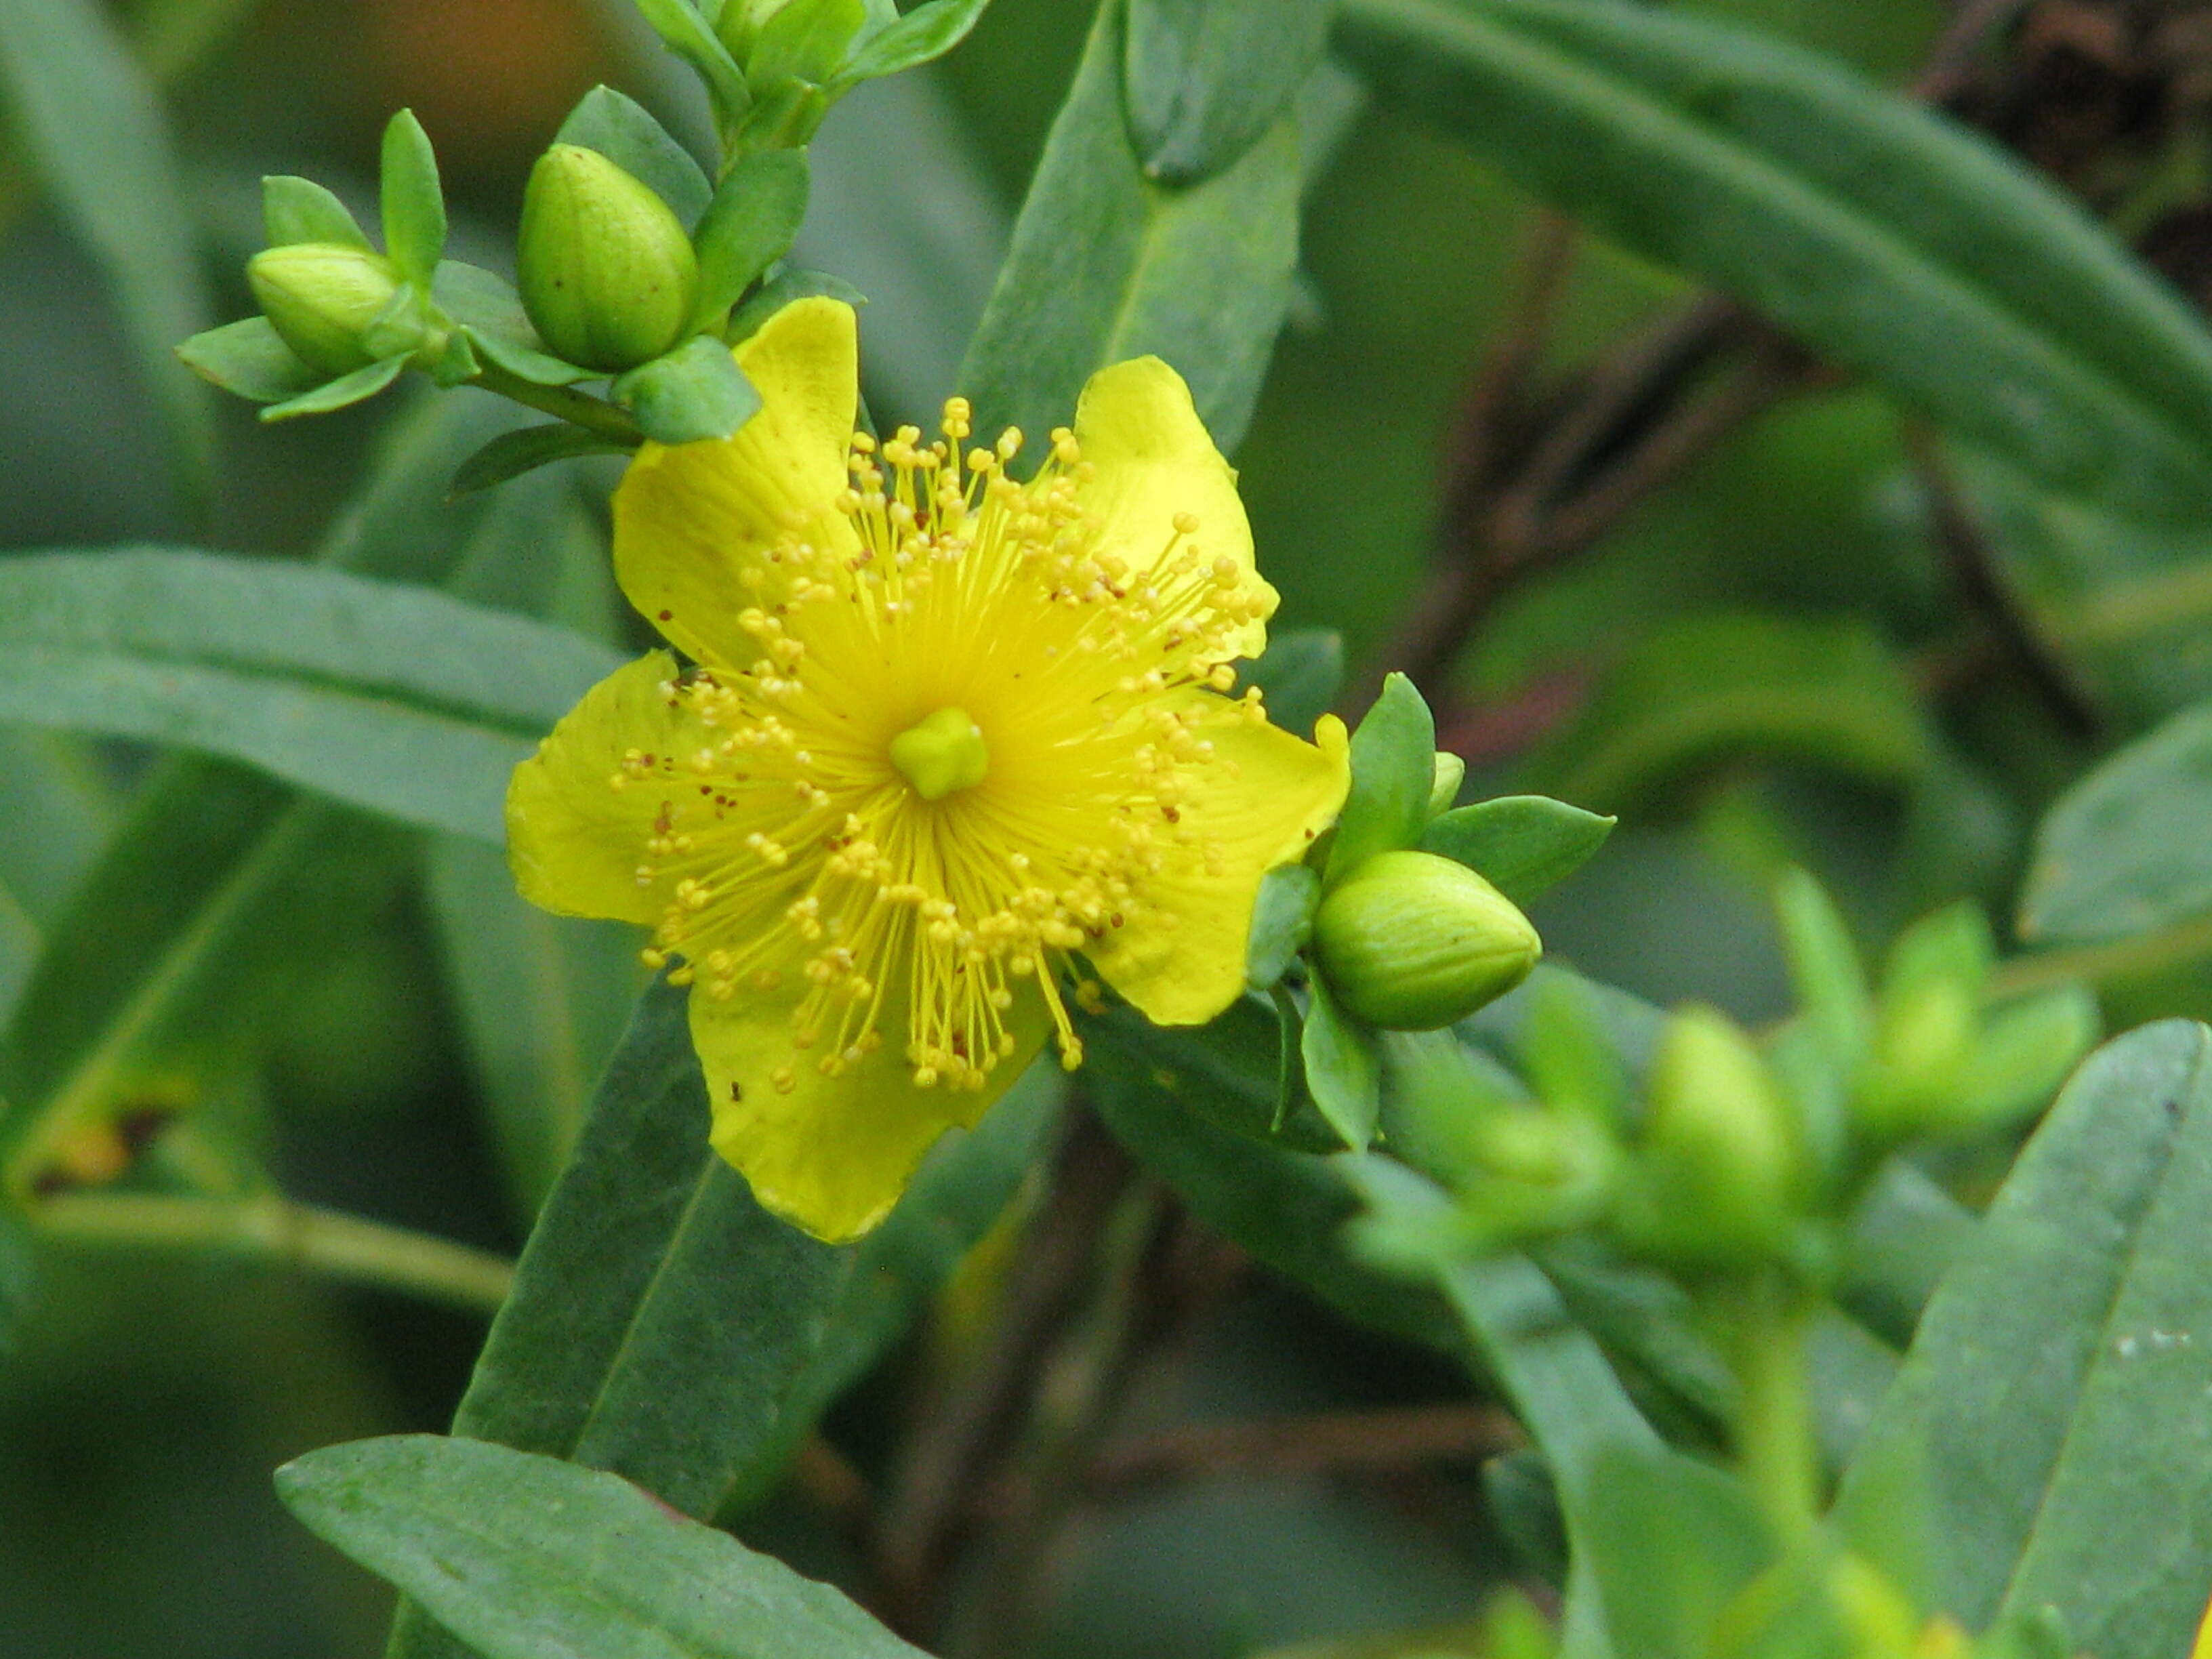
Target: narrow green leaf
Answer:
pixel 393 698
pixel 2058 1358
pixel 1523 844
pixel 512 454
pixel 93 125
pixel 484 301
pixel 1344 1072
pixel 1674 1542
pixel 1907 1234
pixel 529 1558
pixel 413 201
pixel 2123 850
pixel 927 32
pixel 296 210
pixel 803 41
pixel 625 132
pixel 1719 687
pixel 249 359
pixel 1299 677
pixel 527 362
pixel 1392 768
pixel 341 393
pixel 1228 1072
pixel 1889 238
pixel 1206 78
pixel 1824 967
pixel 696 391
pixel 749 227
pixel 1105 266
pixel 1282 921
pixel 688 35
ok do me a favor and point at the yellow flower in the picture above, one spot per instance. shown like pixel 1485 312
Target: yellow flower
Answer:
pixel 945 733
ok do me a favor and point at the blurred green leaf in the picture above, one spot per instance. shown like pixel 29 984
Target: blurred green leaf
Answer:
pixel 1885 237
pixel 2060 1359
pixel 1299 674
pixel 1907 1234
pixel 696 391
pixel 927 31
pixel 60 804
pixel 528 1557
pixel 1673 1541
pixel 248 359
pixel 2125 850
pixel 93 122
pixel 1282 921
pixel 294 209
pixel 527 362
pixel 1344 1074
pixel 1716 686
pixel 1522 844
pixel 1392 766
pixel 405 701
pixel 414 202
pixel 625 132
pixel 1105 266
pixel 749 227
pixel 341 393
pixel 779 291
pixel 686 33
pixel 512 454
pixel 803 41
pixel 1228 1072
pixel 1206 78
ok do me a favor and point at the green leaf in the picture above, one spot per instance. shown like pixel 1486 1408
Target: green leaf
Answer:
pixel 779 291
pixel 696 391
pixel 393 698
pixel 512 454
pixel 341 393
pixel 1344 1072
pixel 93 125
pixel 414 203
pixel 803 41
pixel 625 132
pixel 1105 266
pixel 927 32
pixel 1282 921
pixel 527 362
pixel 687 34
pixel 1228 1072
pixel 1286 1208
pixel 2057 1360
pixel 2123 850
pixel 748 227
pixel 484 301
pixel 1887 237
pixel 1392 766
pixel 1206 78
pixel 294 209
pixel 249 359
pixel 1825 968
pixel 1299 675
pixel 528 1557
pixel 1907 1233
pixel 1523 844
pixel 1716 688
pixel 1673 1541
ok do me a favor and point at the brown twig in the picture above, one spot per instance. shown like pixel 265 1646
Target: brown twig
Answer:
pixel 1951 59
pixel 1331 1443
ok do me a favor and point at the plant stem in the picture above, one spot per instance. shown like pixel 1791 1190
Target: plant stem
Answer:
pixel 2127 959
pixel 275 1230
pixel 1765 1321
pixel 577 408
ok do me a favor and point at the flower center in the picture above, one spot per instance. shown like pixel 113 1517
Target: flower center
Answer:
pixel 942 754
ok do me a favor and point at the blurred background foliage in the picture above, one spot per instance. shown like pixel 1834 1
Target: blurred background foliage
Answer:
pixel 1774 650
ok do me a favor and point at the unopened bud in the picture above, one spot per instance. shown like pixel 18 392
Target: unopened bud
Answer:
pixel 322 298
pixel 1924 1042
pixel 1411 942
pixel 1449 772
pixel 606 272
pixel 1716 1182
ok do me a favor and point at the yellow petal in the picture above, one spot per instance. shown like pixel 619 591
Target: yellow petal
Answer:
pixel 1261 802
pixel 833 1154
pixel 575 840
pixel 689 519
pixel 1152 460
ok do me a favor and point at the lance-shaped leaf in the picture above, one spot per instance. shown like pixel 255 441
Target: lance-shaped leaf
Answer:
pixel 394 698
pixel 1207 77
pixel 1106 266
pixel 1884 236
pixel 1523 844
pixel 625 132
pixel 2050 1415
pixel 95 127
pixel 530 1557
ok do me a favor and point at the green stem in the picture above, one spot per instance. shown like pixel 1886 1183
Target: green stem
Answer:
pixel 2127 959
pixel 577 408
pixel 1765 1321
pixel 275 1230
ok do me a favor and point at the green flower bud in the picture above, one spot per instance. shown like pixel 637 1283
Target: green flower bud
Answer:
pixel 1411 942
pixel 1924 1040
pixel 1718 1171
pixel 741 23
pixel 322 298
pixel 606 272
